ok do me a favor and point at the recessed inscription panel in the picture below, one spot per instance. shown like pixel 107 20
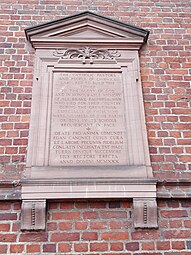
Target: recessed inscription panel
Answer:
pixel 87 120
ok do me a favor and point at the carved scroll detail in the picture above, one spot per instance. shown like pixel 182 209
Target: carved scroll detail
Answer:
pixel 86 53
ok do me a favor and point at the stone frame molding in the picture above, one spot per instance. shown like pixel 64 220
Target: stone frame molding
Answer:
pixel 84 43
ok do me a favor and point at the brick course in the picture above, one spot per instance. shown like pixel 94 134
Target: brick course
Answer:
pixel 173 234
pixel 165 70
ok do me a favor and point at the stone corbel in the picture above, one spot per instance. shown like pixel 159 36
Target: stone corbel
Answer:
pixel 33 215
pixel 145 213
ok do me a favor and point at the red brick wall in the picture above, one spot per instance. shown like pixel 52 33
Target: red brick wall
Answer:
pixel 100 227
pixel 165 69
pixel 97 228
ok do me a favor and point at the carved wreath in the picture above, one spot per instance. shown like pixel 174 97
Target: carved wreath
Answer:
pixel 86 53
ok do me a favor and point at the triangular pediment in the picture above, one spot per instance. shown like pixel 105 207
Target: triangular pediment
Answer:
pixel 86 26
pixel 87 32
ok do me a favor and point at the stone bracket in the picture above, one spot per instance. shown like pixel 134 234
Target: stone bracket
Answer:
pixel 145 213
pixel 33 215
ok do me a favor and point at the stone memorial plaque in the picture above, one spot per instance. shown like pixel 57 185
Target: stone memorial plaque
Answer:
pixel 88 138
pixel 87 119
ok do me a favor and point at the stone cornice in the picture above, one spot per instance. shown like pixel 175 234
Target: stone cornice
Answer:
pixel 11 190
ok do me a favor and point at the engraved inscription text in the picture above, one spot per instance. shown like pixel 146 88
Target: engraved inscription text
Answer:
pixel 88 124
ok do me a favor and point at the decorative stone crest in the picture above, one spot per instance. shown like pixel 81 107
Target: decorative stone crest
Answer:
pixel 86 53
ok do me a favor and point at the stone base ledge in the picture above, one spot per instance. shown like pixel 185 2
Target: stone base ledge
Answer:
pixel 11 190
pixel 80 189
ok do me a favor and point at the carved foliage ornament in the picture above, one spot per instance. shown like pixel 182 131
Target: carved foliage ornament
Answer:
pixel 86 53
